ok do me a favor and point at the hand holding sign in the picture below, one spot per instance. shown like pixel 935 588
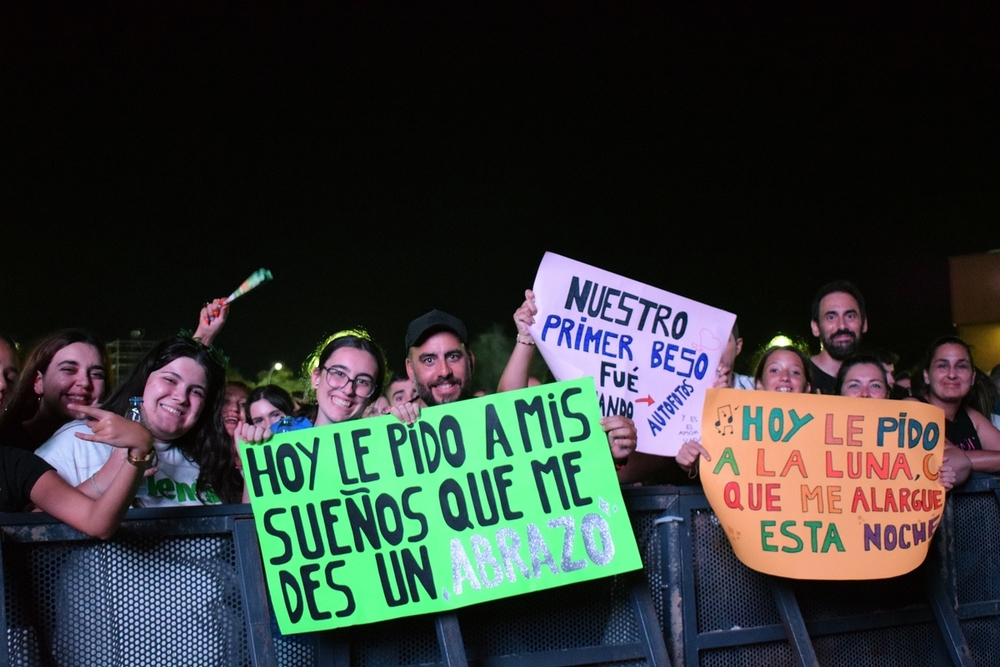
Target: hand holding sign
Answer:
pixel 651 353
pixel 483 498
pixel 825 487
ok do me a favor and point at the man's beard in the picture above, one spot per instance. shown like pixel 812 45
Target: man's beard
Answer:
pixel 843 349
pixel 426 395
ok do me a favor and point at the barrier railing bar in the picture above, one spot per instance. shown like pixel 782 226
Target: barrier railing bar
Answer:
pixel 582 655
pixel 794 624
pixel 255 600
pixel 689 615
pixel 333 648
pixel 876 620
pixel 650 635
pixel 973 610
pixel 954 639
pixel 714 639
pixel 450 640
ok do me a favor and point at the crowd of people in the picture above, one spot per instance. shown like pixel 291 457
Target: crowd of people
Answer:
pixel 167 433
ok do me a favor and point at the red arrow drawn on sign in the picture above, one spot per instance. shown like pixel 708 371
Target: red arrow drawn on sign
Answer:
pixel 648 400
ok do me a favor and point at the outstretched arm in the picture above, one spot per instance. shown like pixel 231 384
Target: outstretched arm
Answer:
pixel 101 516
pixel 988 458
pixel 210 320
pixel 515 373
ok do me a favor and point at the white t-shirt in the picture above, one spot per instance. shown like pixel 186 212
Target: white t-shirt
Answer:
pixel 76 460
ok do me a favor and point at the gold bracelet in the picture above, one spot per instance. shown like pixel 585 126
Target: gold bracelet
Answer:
pixel 524 342
pixel 142 463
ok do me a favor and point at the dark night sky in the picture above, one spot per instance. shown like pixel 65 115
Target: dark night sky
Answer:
pixel 382 159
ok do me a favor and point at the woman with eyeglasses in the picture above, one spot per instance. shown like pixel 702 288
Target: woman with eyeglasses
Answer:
pixel 346 373
pixel 347 376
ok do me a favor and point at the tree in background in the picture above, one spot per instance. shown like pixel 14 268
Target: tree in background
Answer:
pixel 492 349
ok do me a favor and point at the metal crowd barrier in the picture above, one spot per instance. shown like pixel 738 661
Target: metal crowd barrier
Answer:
pixel 185 587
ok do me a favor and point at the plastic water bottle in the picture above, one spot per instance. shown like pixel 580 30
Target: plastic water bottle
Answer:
pixel 284 425
pixel 134 409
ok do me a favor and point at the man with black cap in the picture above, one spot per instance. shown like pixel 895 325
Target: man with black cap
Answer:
pixel 440 365
pixel 437 359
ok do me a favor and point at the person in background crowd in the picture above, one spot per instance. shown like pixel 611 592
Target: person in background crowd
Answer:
pixel 182 384
pixel 839 321
pixel 888 359
pixel 726 376
pixel 401 389
pixel 234 405
pixel 66 367
pixel 267 404
pixel 984 396
pixel 949 377
pixel 10 368
pixel 901 389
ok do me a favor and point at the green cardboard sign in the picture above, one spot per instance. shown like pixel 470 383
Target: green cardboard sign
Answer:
pixel 481 499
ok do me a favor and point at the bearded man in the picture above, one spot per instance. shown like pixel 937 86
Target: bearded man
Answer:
pixel 839 321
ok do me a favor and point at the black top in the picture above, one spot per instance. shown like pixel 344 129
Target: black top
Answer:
pixel 820 380
pixel 13 434
pixel 962 432
pixel 20 470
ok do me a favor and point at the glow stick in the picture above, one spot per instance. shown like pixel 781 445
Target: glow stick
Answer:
pixel 256 278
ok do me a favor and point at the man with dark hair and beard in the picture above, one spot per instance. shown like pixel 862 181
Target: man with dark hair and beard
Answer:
pixel 440 365
pixel 838 320
pixel 437 359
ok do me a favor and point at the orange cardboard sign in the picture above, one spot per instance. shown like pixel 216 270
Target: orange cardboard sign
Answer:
pixel 823 487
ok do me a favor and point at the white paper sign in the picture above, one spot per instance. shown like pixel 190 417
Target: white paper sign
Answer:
pixel 652 354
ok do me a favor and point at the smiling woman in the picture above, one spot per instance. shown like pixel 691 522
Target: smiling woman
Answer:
pixel 783 368
pixel 182 384
pixel 67 366
pixel 950 374
pixel 346 373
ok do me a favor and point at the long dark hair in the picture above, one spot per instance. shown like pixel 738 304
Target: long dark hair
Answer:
pixel 207 444
pixel 273 394
pixel 24 403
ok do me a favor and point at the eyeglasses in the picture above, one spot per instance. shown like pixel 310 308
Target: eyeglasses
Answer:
pixel 364 385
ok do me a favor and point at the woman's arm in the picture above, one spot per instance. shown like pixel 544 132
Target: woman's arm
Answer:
pixel 987 459
pixel 212 317
pixel 515 373
pixel 99 517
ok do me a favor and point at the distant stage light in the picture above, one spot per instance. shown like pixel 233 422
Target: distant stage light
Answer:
pixel 781 340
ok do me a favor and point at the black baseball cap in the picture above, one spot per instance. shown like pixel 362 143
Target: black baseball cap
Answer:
pixel 430 323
